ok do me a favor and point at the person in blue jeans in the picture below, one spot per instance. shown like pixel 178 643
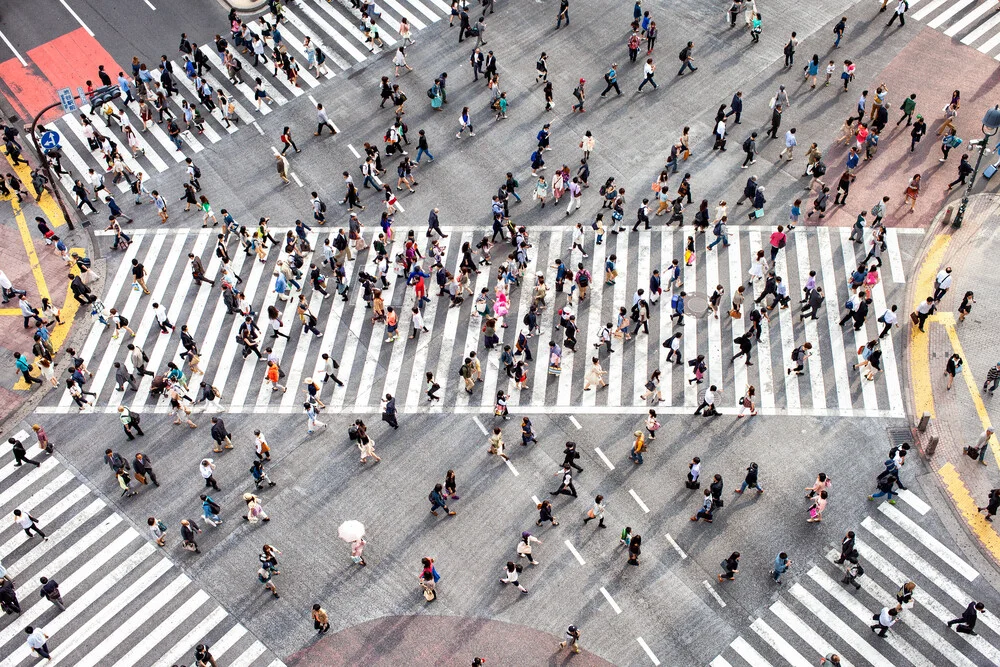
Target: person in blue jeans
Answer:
pixel 422 147
pixel 750 480
pixel 721 233
pixel 886 481
pixel 781 565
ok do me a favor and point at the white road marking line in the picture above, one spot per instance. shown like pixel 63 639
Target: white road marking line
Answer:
pixel 895 259
pixel 480 425
pixel 607 596
pixel 920 595
pixel 862 613
pixel 511 466
pixel 834 622
pixel 535 500
pixel 355 152
pixel 77 17
pixel 575 422
pixel 151 639
pixel 925 538
pixel 295 177
pixel 24 63
pixel 805 631
pixel 576 554
pixel 778 643
pixel 649 651
pixel 247 658
pixel 92 595
pixel 604 458
pixel 676 547
pixel 720 662
pixel 150 5
pixel 749 653
pixel 718 598
pixel 639 500
pixel 228 640
pixel 187 643
pixel 913 501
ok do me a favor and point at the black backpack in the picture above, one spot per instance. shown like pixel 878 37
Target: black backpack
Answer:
pixel 683 55
pixel 197 171
pixel 746 144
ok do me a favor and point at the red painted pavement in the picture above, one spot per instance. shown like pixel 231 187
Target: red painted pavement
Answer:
pixel 932 66
pixel 67 61
pixel 441 640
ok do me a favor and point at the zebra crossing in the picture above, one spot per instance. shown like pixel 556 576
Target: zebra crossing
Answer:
pixel 331 26
pixel 126 603
pixel 371 366
pixel 975 23
pixel 819 614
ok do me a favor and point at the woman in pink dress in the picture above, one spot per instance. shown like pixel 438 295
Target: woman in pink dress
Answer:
pixel 500 307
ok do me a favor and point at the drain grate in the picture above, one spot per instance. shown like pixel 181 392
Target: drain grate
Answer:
pixel 899 434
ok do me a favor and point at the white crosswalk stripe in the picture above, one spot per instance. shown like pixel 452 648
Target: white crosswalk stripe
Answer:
pixel 126 602
pixel 975 23
pixel 332 28
pixel 372 367
pixel 822 614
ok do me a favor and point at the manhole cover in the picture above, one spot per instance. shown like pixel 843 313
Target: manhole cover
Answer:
pixel 696 304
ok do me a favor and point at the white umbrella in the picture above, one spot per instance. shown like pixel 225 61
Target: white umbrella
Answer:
pixel 351 531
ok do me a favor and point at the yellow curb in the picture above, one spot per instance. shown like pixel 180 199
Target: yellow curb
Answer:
pixel 948 320
pixel 29 249
pixel 47 203
pixel 68 315
pixel 16 312
pixel 965 504
pixel 920 371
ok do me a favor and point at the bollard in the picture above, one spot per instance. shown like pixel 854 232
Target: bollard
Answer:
pixel 947 215
pixel 932 443
pixel 925 420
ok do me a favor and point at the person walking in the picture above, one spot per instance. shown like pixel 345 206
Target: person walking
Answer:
pixel 21 454
pixel 781 565
pixel 596 512
pixel 730 566
pixel 28 524
pixel 967 621
pixel 50 591
pixel 978 450
pixel 901 9
pixel 207 469
pixel 648 70
pixel 524 546
pixel 511 571
pixel 37 642
pixel 572 639
pixel 708 503
pixel 634 549
pixel 437 499
pixel 750 480
pixel 321 620
pixel 886 618
pixel 686 60
pixel 566 486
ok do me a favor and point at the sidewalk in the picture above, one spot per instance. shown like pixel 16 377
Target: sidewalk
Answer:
pixel 33 266
pixel 960 415
pixel 425 639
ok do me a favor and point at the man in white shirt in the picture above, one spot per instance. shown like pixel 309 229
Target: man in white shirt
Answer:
pixel 708 402
pixel 8 289
pixel 924 311
pixel 208 473
pixel 888 320
pixel 160 313
pixel 898 14
pixel 886 619
pixel 576 196
pixel 28 524
pixel 942 282
pixel 790 144
pixel 37 642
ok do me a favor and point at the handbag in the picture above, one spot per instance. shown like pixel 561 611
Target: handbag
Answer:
pixel 813 512
pixel 735 314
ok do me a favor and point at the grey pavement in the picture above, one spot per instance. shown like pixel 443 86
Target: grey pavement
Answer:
pixel 665 600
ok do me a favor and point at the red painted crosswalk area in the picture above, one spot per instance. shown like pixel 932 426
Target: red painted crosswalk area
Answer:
pixel 67 61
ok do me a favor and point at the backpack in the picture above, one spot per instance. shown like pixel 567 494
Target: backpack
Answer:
pixel 214 506
pixel 746 144
pixel 633 42
pixel 717 230
pixel 352 432
pixel 197 171
pixel 583 278
pixel 674 301
pixel 430 93
pixel 322 206
pixel 683 54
